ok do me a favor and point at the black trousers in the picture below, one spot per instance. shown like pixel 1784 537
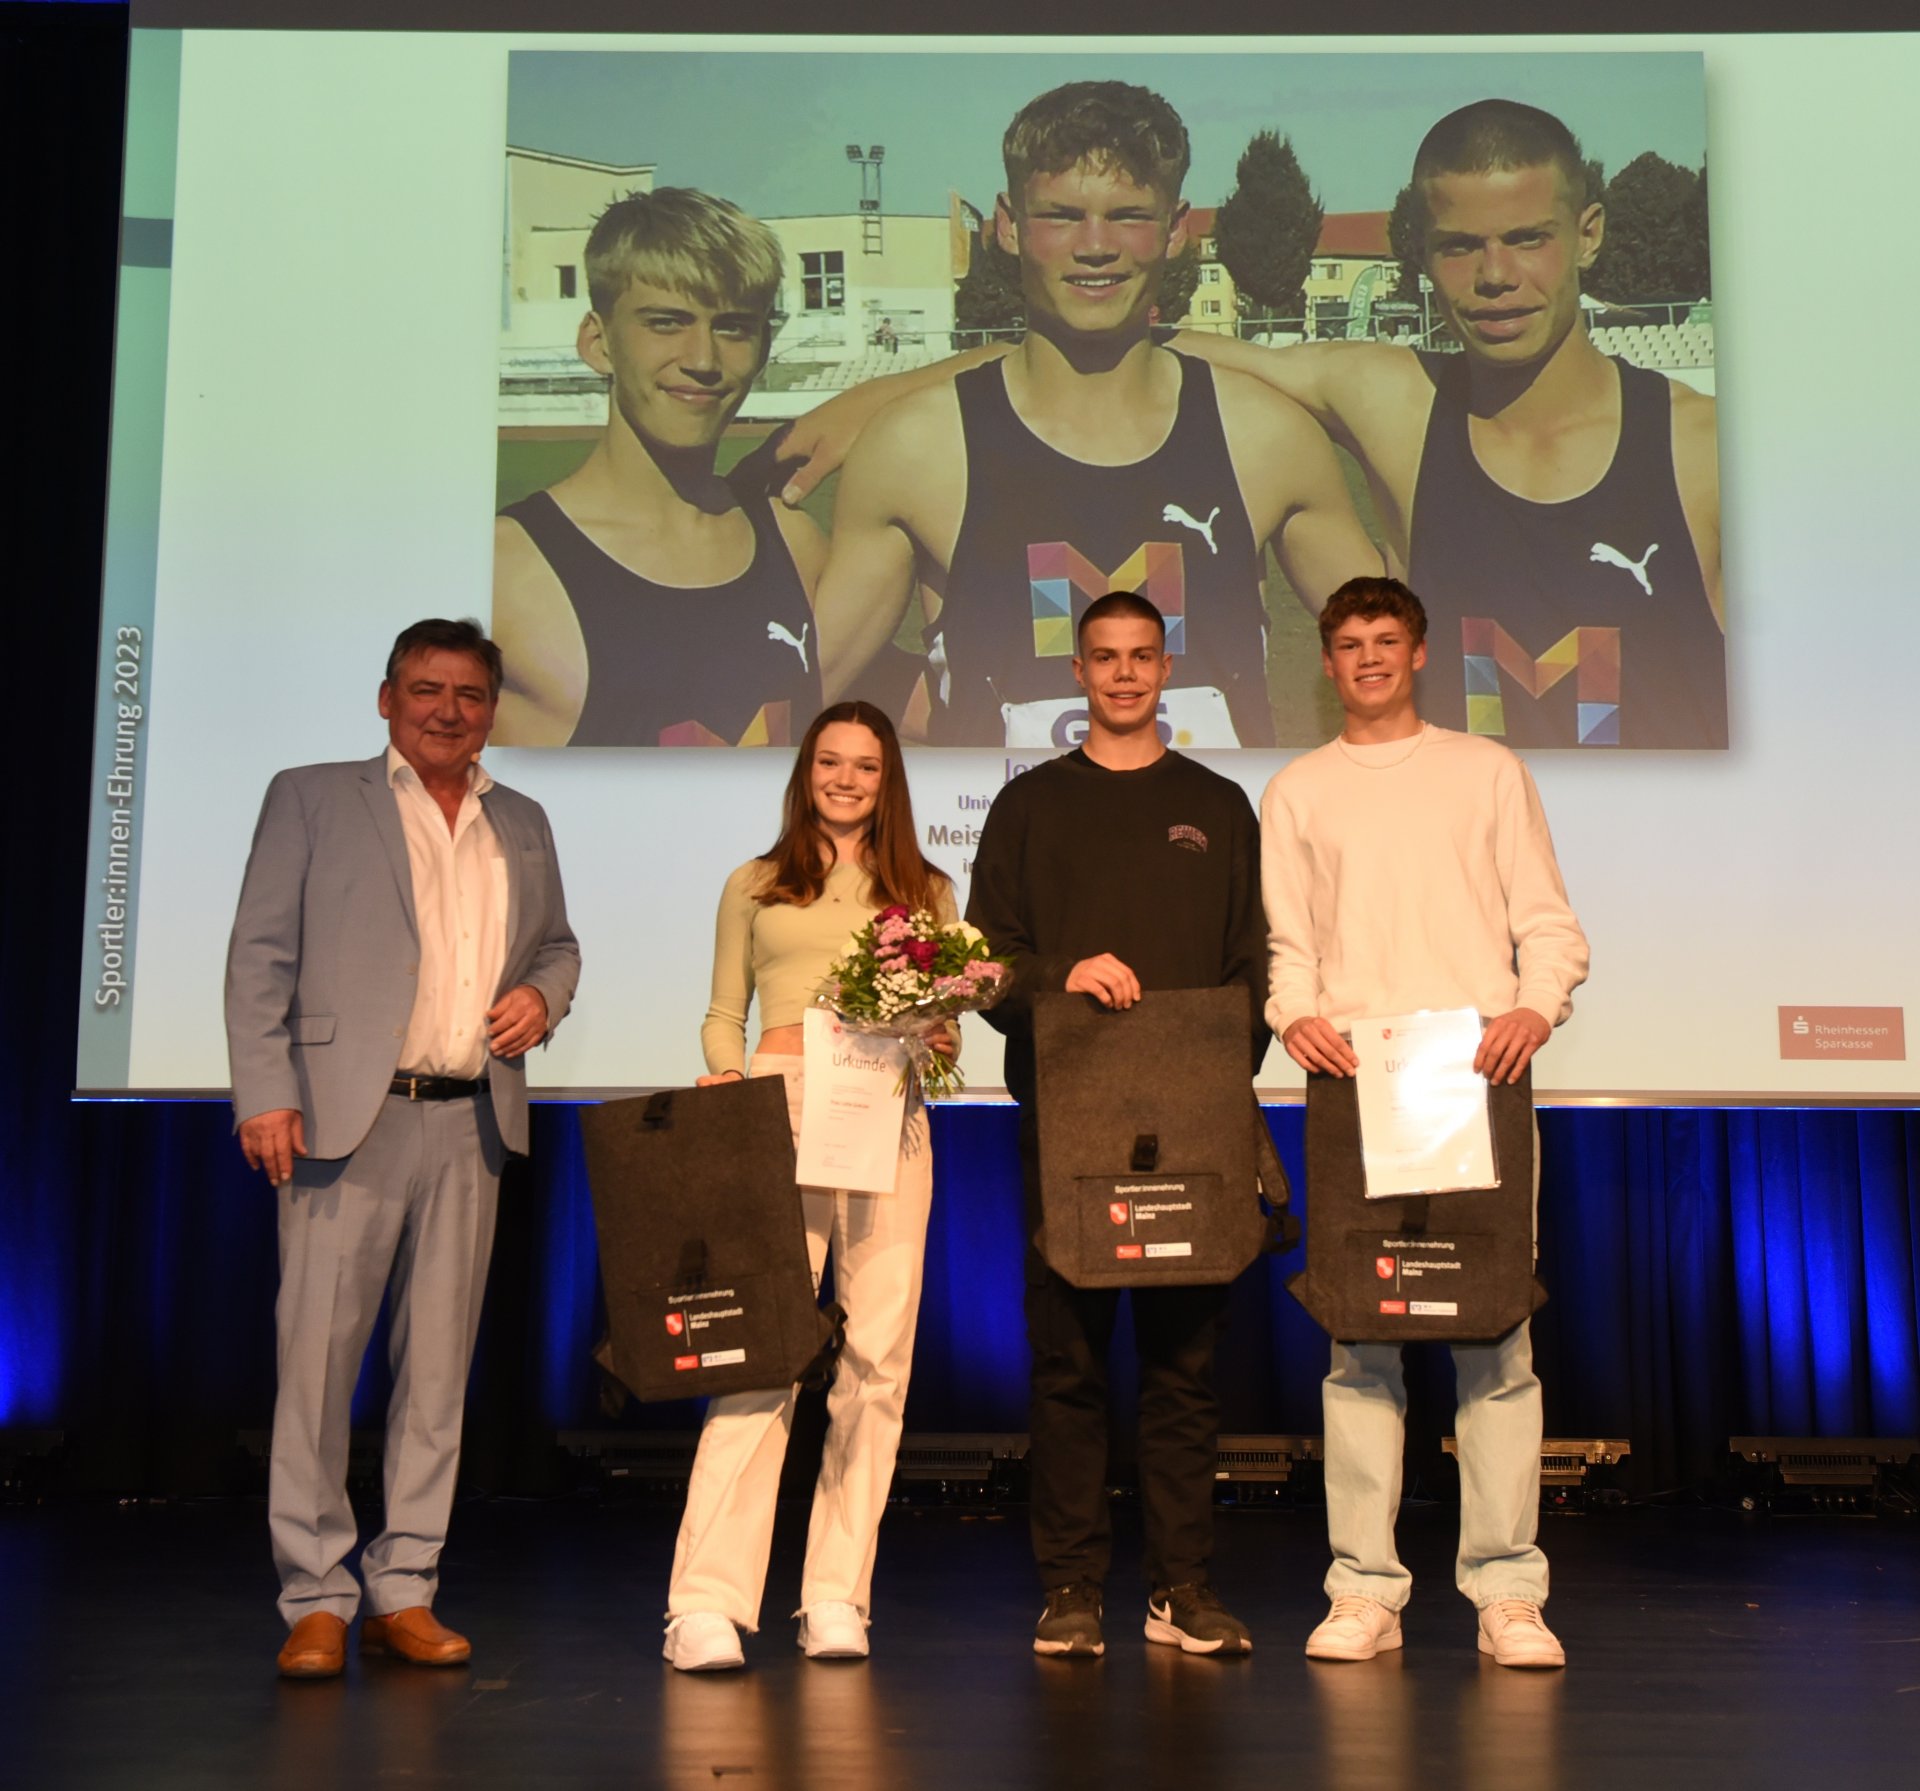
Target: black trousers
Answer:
pixel 1070 1331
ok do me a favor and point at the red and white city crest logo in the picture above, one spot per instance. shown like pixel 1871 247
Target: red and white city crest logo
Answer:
pixel 1383 1266
pixel 676 1323
pixel 1117 1212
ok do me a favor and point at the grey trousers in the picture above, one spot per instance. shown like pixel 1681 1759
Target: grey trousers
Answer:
pixel 409 1214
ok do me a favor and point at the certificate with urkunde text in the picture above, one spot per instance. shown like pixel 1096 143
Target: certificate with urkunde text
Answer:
pixel 1424 1127
pixel 853 1107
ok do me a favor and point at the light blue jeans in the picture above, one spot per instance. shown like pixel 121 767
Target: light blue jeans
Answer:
pixel 1497 1430
pixel 1364 1399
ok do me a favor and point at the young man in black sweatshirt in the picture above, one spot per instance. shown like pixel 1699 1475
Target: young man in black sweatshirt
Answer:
pixel 1113 871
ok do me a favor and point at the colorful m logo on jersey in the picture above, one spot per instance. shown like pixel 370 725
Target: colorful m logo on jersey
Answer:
pixel 772 725
pixel 1064 581
pixel 1592 654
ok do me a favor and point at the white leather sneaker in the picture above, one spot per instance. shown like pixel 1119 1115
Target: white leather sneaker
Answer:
pixel 702 1642
pixel 1514 1633
pixel 832 1630
pixel 1356 1628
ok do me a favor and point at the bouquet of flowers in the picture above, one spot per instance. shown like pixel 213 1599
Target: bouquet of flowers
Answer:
pixel 904 975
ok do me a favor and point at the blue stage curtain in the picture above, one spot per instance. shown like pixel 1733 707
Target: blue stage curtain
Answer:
pixel 1713 1273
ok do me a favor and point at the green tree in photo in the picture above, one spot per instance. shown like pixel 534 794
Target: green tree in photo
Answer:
pixel 988 295
pixel 1267 228
pixel 1655 243
pixel 1405 231
pixel 1697 230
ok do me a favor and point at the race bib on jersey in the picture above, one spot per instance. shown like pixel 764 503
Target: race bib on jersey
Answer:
pixel 1194 715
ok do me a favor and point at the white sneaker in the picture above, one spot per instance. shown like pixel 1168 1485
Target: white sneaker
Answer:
pixel 833 1631
pixel 1357 1628
pixel 1514 1633
pixel 702 1642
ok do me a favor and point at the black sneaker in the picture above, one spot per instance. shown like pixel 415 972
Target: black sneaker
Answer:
pixel 1071 1622
pixel 1192 1619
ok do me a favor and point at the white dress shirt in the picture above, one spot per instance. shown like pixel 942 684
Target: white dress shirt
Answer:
pixel 460 902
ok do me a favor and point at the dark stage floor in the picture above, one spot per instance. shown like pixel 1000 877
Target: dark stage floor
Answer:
pixel 136 1649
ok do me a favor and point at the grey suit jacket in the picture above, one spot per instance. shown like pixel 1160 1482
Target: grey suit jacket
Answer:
pixel 325 953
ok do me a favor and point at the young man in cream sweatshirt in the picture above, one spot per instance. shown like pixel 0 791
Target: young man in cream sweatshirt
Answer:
pixel 1405 866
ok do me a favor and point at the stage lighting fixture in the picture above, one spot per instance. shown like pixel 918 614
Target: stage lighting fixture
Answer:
pixel 1254 1469
pixel 1864 1474
pixel 961 1467
pixel 654 1459
pixel 26 1463
pixel 1566 1468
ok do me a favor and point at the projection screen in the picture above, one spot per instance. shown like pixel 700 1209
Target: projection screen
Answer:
pixel 345 342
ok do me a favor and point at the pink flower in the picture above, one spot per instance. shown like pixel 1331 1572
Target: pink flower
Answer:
pixel 980 971
pixel 896 911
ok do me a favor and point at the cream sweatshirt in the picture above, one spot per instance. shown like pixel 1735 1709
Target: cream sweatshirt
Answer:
pixel 1414 874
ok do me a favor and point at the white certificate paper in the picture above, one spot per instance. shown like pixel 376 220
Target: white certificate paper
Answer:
pixel 1423 1110
pixel 853 1107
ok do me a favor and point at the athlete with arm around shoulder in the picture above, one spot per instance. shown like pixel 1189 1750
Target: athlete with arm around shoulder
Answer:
pixel 1509 229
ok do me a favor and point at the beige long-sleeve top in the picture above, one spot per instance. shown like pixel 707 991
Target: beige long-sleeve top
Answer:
pixel 780 953
pixel 1414 874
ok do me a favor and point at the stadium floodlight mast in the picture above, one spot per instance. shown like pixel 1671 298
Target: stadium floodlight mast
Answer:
pixel 870 238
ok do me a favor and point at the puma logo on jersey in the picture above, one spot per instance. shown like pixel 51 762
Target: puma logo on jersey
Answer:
pixel 777 631
pixel 1173 513
pixel 1603 555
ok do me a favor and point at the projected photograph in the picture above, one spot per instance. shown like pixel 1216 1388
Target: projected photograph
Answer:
pixel 1224 331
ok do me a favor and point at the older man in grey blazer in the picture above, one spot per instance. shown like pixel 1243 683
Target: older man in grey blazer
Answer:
pixel 401 943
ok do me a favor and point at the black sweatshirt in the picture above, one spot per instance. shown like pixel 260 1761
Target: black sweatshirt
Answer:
pixel 1160 867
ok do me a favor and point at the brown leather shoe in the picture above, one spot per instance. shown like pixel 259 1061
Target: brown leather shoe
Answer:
pixel 316 1648
pixel 414 1634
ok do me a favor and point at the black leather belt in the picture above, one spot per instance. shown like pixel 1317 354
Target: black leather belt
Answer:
pixel 436 1088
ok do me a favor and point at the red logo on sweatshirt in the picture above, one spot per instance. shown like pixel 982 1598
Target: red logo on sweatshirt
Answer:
pixel 1117 1212
pixel 1383 1266
pixel 676 1323
pixel 684 1362
pixel 1399 1306
pixel 1127 1251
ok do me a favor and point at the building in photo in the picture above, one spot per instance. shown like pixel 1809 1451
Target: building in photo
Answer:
pixel 553 202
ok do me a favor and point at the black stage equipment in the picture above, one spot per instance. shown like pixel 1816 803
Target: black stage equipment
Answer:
pixel 27 1457
pixel 1795 1474
pixel 1567 1481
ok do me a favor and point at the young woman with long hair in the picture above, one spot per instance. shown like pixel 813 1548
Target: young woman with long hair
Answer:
pixel 847 848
